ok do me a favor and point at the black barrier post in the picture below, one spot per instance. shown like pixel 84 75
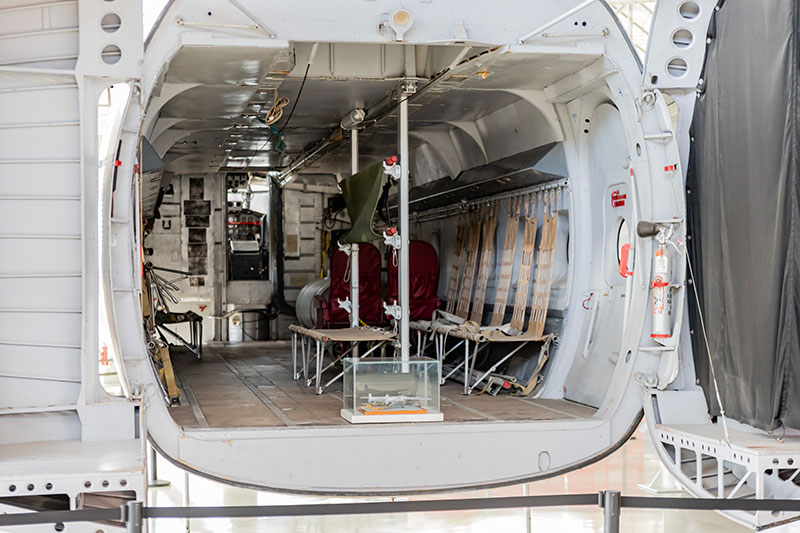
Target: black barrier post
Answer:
pixel 133 516
pixel 152 480
pixel 610 501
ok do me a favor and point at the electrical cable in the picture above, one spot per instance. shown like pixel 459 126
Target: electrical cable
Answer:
pixel 332 219
pixel 296 98
pixel 257 151
pixel 275 114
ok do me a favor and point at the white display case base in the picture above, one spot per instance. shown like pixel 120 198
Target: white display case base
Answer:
pixel 356 418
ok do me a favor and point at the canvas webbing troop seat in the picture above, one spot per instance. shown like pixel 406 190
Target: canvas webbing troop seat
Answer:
pixel 423 326
pixel 423 283
pixel 361 193
pixel 324 337
pixel 470 331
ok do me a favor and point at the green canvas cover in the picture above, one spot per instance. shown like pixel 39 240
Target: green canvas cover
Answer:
pixel 361 194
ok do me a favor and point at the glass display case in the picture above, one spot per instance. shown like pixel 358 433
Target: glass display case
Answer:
pixel 389 390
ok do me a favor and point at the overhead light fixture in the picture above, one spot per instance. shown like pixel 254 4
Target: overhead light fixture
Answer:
pixel 351 120
pixel 400 20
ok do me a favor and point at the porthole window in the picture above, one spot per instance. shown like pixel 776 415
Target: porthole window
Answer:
pixel 682 38
pixel 111 54
pixel 111 23
pixel 677 67
pixel 689 10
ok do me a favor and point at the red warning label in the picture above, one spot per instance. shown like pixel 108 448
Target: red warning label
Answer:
pixel 618 199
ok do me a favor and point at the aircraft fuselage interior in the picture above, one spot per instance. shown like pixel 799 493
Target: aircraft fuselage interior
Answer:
pixel 371 248
pixel 480 200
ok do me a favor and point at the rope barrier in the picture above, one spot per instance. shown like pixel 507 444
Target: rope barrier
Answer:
pixel 133 513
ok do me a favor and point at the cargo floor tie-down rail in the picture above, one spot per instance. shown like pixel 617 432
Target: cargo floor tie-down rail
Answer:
pixel 133 514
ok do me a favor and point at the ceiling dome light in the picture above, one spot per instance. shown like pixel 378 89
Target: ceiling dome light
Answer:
pixel 401 17
pixel 400 20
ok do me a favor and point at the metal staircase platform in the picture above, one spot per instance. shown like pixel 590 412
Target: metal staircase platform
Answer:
pixel 71 468
pixel 754 464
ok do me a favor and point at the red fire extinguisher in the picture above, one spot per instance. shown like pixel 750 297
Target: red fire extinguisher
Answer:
pixel 661 327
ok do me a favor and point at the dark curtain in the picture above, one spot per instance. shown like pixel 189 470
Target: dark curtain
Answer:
pixel 744 221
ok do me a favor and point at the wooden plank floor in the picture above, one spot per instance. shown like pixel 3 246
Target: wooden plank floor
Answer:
pixel 250 385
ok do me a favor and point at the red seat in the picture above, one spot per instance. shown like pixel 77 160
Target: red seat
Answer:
pixel 423 266
pixel 329 314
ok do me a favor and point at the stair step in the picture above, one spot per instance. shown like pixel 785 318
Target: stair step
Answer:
pixel 728 480
pixel 706 459
pixel 711 474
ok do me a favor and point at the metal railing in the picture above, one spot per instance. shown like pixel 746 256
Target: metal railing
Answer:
pixel 133 514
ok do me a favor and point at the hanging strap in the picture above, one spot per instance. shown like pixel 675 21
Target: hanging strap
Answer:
pixel 544 266
pixel 468 280
pixel 453 283
pixel 525 267
pixel 507 262
pixel 487 257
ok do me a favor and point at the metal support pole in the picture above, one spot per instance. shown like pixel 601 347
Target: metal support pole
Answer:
pixel 354 284
pixel 354 150
pixel 295 373
pixel 466 367
pixel 320 352
pixel 134 517
pixel 405 229
pixel 305 344
pixel 610 501
pixel 354 246
pixel 153 480
pixel 354 261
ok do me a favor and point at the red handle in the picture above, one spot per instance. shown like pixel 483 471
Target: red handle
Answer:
pixel 623 261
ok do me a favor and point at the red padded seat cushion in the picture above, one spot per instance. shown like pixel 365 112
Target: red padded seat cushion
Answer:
pixel 423 280
pixel 369 287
